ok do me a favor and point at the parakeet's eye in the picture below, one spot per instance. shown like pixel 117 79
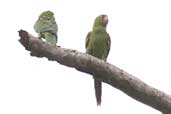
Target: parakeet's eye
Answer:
pixel 105 19
pixel 103 16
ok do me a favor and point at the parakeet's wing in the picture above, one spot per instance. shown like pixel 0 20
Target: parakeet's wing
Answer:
pixel 108 44
pixel 50 38
pixel 88 50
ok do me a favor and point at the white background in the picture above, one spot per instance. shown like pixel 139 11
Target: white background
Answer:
pixel 141 45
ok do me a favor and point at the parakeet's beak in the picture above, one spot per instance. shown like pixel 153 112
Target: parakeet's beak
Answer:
pixel 105 19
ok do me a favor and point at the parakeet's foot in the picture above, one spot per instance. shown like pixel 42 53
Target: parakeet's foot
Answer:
pixel 39 38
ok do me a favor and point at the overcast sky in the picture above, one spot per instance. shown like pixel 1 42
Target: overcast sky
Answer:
pixel 140 31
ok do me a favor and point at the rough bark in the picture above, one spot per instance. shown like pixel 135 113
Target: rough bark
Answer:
pixel 107 72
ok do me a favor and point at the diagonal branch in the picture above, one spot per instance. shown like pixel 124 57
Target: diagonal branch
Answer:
pixel 107 72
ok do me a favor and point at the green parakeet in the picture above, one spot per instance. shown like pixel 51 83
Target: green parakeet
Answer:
pixel 47 27
pixel 98 44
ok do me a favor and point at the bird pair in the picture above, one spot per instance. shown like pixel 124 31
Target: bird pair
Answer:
pixel 97 41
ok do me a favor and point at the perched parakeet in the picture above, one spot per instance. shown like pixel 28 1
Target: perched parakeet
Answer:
pixel 98 44
pixel 47 27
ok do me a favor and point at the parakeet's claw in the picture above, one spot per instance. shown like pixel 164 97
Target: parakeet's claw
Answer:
pixel 39 37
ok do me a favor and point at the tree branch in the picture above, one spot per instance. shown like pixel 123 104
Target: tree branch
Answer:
pixel 107 72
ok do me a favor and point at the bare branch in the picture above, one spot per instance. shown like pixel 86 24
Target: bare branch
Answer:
pixel 107 72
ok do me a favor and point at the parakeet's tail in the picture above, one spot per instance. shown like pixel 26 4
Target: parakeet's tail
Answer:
pixel 98 90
